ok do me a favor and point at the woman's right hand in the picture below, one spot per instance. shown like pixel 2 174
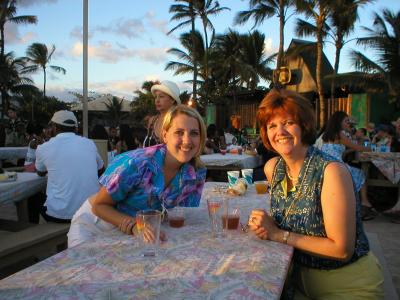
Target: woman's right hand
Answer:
pixel 127 225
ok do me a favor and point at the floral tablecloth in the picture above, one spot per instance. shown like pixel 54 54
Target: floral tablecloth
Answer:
pixel 27 184
pixel 387 162
pixel 243 161
pixel 190 265
pixel 13 152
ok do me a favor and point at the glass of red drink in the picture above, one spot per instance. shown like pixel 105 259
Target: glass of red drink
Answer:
pixel 176 217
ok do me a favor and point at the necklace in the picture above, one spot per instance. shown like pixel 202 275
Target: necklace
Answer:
pixel 298 193
pixel 293 179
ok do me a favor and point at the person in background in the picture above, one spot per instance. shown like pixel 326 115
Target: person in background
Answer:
pixel 335 142
pixel 15 130
pixel 157 177
pixel 113 137
pixel 313 208
pixel 127 141
pixel 382 136
pixel 361 136
pixel 166 95
pixel 99 132
pixel 395 147
pixel 35 139
pixel 212 141
pixel 71 163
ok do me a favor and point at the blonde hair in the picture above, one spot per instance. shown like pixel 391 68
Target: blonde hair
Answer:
pixel 181 109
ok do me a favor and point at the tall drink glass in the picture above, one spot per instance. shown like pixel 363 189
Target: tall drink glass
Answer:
pixel 215 212
pixel 148 224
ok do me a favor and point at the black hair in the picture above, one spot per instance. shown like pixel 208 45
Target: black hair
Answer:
pixel 334 126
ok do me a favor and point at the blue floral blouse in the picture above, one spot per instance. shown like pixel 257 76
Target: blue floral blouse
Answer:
pixel 135 180
pixel 305 215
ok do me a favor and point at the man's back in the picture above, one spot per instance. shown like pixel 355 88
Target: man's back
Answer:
pixel 72 163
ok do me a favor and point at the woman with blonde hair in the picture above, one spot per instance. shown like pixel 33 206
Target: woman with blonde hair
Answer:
pixel 157 177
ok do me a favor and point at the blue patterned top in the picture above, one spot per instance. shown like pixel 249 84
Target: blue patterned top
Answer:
pixel 135 180
pixel 305 216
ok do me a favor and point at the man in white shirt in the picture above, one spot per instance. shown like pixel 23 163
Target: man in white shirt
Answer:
pixel 71 163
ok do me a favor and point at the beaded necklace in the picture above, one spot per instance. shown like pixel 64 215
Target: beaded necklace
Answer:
pixel 297 194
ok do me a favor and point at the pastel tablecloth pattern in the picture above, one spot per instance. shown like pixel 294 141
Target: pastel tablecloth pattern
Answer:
pixel 27 184
pixel 190 265
pixel 13 152
pixel 387 162
pixel 243 161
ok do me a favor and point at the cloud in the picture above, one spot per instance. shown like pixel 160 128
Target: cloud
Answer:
pixel 268 47
pixel 129 28
pixel 160 25
pixel 108 53
pixel 12 35
pixel 77 33
pixel 26 3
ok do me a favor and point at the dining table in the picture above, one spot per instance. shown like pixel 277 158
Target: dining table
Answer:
pixel 13 152
pixel 388 164
pixel 229 161
pixel 16 192
pixel 190 264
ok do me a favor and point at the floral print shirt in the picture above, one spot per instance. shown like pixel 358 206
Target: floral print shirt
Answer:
pixel 135 181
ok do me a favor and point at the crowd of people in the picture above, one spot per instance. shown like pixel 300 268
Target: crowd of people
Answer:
pixel 318 201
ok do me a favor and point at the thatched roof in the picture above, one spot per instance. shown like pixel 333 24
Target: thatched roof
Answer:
pixel 99 104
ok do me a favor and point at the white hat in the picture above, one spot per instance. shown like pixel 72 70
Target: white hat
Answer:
pixel 168 87
pixel 65 118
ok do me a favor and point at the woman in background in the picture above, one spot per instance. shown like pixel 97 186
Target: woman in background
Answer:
pixel 127 141
pixel 335 141
pixel 166 95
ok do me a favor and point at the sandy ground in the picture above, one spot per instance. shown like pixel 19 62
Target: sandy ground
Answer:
pixel 389 239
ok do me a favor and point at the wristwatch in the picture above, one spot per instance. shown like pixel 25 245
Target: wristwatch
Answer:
pixel 285 237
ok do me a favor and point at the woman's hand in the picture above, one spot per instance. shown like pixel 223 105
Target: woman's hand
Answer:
pixel 263 225
pixel 127 225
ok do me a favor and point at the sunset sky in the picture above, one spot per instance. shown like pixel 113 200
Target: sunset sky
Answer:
pixel 128 40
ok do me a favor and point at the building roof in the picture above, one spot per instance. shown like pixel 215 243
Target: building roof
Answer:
pixel 99 104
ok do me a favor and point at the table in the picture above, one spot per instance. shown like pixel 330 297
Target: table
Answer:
pixel 191 265
pixel 13 152
pixel 26 185
pixel 388 163
pixel 229 161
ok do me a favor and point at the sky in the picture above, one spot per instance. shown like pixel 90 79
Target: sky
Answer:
pixel 128 41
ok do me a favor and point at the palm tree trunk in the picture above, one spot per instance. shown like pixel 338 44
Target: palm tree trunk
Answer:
pixel 335 71
pixel 281 35
pixel 2 23
pixel 44 83
pixel 322 111
pixel 206 61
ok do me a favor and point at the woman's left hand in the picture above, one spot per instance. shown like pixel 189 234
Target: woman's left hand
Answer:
pixel 262 224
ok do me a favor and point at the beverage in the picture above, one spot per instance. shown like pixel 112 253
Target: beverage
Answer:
pixel 176 222
pixel 261 187
pixel 230 221
pixel 214 212
pixel 223 151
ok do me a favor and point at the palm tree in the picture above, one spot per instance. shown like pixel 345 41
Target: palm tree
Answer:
pixel 318 11
pixel 114 108
pixel 204 9
pixel 12 79
pixel 187 15
pixel 39 57
pixel 259 10
pixel 384 39
pixel 193 52
pixel 8 11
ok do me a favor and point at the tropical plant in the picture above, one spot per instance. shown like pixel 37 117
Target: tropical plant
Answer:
pixel 384 40
pixel 204 9
pixel 12 79
pixel 259 10
pixel 143 103
pixel 184 12
pixel 318 11
pixel 8 11
pixel 114 109
pixel 38 58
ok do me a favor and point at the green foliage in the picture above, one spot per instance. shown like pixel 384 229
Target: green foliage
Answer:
pixel 143 104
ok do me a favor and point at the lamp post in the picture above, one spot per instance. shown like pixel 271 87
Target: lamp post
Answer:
pixel 85 69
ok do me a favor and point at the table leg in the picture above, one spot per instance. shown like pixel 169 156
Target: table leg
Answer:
pixel 22 210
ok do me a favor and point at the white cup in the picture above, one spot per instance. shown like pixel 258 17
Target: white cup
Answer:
pixel 247 174
pixel 233 177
